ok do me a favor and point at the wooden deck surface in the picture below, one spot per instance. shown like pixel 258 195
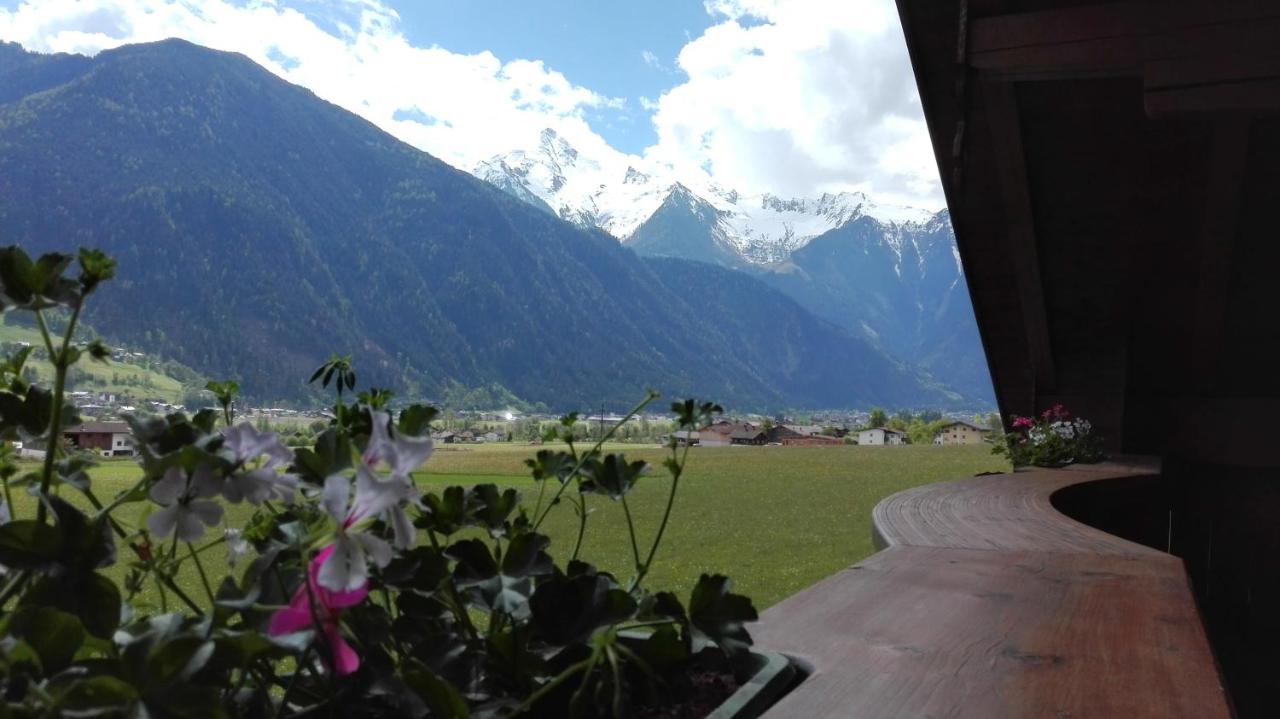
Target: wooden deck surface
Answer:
pixel 987 602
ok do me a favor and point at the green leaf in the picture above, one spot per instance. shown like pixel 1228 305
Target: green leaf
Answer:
pixel 415 420
pixel 664 651
pixel 440 696
pixel 718 615
pixel 494 508
pixel 53 634
pixel 612 476
pixel 97 696
pixel 178 659
pixel 90 596
pixel 98 351
pixel 550 464
pixel 567 610
pixel 34 285
pixel 474 562
pixel 27 544
pixel 332 454
pixel 445 513
pixel 526 557
pixel 422 568
pixel 95 268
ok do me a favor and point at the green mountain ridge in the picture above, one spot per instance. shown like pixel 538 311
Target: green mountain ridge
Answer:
pixel 258 228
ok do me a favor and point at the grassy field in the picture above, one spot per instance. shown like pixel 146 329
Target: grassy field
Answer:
pixel 115 376
pixel 776 519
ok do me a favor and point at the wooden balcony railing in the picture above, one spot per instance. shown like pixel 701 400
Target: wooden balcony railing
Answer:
pixel 986 601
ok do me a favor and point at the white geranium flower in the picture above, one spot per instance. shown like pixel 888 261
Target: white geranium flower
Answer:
pixel 248 444
pixel 258 485
pixel 400 453
pixel 237 546
pixel 186 511
pixel 347 568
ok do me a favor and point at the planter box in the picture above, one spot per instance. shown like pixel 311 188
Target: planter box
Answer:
pixel 773 676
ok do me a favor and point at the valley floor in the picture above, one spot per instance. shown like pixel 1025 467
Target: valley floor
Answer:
pixel 775 519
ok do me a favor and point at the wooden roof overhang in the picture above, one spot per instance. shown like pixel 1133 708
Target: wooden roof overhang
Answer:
pixel 1112 175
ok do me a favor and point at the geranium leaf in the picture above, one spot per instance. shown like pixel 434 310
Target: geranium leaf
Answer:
pixel 718 615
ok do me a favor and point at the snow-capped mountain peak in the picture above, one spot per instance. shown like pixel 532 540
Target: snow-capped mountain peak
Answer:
pixel 614 195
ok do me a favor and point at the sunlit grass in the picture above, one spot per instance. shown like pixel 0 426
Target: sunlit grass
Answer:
pixel 776 519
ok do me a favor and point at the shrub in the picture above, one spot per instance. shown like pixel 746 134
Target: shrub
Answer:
pixel 353 593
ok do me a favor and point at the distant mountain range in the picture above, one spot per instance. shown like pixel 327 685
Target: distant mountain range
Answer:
pixel 888 273
pixel 258 228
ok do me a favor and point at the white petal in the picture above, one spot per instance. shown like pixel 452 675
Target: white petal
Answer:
pixel 189 528
pixel 170 487
pixel 402 526
pixel 197 515
pixel 378 550
pixel 204 483
pixel 410 453
pixel 336 491
pixel 345 569
pixel 161 523
pixel 375 495
pixel 255 485
pixel 284 487
pixel 379 441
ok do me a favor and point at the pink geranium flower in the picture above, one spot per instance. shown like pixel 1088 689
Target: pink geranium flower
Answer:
pixel 1023 423
pixel 297 616
pixel 1056 412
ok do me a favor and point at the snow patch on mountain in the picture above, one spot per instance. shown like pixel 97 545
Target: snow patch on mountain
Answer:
pixel 614 195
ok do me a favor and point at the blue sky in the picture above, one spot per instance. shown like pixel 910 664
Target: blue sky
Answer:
pixel 599 44
pixel 790 97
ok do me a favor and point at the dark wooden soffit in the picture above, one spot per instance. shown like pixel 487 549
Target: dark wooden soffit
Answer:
pixel 1191 57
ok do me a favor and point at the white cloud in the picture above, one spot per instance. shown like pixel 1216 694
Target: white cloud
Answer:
pixel 797 97
pixel 792 97
pixel 461 108
pixel 651 59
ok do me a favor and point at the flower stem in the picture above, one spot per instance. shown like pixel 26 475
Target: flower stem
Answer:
pixel 582 525
pixel 631 529
pixel 594 450
pixel 550 686
pixel 60 366
pixel 204 578
pixel 676 473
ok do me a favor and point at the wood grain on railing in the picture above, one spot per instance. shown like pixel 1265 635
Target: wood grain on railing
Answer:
pixel 988 602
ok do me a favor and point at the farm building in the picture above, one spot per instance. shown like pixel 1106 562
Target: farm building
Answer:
pixel 109 439
pixel 959 432
pixel 881 436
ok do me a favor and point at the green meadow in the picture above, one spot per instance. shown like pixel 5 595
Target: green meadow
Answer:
pixel 775 519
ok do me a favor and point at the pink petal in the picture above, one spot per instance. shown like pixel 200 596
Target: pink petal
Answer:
pixel 345 659
pixel 292 618
pixel 342 600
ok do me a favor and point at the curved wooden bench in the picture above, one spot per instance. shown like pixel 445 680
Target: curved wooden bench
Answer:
pixel 988 602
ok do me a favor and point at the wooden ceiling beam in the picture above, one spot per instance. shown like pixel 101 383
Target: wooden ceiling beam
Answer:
pixel 1182 51
pixel 1006 136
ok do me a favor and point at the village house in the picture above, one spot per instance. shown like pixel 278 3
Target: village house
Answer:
pixel 720 434
pixel 109 439
pixel 880 436
pixel 752 436
pixel 794 435
pixel 682 437
pixel 959 432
